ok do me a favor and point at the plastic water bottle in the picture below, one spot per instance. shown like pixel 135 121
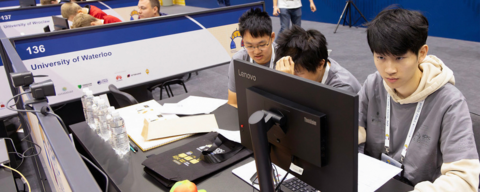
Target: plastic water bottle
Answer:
pixel 84 104
pixel 87 108
pixel 91 120
pixel 119 134
pixel 102 111
pixel 109 122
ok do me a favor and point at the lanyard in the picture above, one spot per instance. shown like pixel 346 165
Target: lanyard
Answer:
pixel 325 74
pixel 271 60
pixel 418 110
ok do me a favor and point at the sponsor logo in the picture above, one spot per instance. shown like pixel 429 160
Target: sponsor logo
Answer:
pixel 84 85
pixel 233 45
pixel 134 15
pixel 2 106
pixel 64 88
pixel 247 75
pixel 133 74
pixel 147 71
pixel 310 121
pixel 103 81
pixel 119 77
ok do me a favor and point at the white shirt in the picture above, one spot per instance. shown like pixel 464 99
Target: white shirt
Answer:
pixel 289 4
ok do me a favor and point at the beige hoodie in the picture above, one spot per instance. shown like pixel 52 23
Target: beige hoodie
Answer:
pixel 460 175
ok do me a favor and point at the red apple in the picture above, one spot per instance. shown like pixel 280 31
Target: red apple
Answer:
pixel 186 186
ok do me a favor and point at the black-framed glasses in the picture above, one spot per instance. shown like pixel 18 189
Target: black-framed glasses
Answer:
pixel 261 47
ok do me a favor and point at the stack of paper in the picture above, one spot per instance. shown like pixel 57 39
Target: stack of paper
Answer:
pixel 134 116
pixel 193 105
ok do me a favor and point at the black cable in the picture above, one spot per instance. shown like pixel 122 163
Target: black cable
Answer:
pixel 284 177
pixel 84 158
pixel 103 173
pixel 61 122
pixel 60 107
pixel 19 110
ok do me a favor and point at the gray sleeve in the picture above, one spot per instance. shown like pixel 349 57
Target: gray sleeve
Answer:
pixel 231 77
pixel 363 105
pixel 456 140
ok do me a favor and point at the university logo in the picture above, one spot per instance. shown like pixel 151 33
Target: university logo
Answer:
pixel 134 13
pixel 2 106
pixel 119 77
pixel 128 76
pixel 64 88
pixel 80 86
pixel 147 71
pixel 233 45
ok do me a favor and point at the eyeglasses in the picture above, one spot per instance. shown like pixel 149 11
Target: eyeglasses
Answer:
pixel 261 47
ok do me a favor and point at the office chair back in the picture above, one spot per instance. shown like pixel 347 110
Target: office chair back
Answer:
pixel 123 99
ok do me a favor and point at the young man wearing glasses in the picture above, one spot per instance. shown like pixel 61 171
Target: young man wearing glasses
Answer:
pixel 255 27
pixel 304 54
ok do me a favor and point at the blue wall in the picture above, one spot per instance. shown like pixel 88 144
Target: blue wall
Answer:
pixel 459 19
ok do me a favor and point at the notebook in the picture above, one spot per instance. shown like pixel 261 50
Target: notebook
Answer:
pixel 134 116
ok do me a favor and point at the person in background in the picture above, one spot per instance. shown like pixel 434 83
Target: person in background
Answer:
pixel 70 10
pixel 48 2
pixel 290 10
pixel 85 20
pixel 255 27
pixel 148 9
pixel 304 54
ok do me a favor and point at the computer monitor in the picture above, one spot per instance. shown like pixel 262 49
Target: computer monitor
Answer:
pixel 60 23
pixel 27 3
pixel 320 128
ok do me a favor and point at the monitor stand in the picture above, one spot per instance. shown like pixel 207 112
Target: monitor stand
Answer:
pixel 260 122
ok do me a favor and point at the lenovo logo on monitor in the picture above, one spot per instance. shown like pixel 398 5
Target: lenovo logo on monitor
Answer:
pixel 309 121
pixel 247 76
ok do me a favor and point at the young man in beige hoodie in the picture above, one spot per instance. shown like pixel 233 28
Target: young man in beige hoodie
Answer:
pixel 411 114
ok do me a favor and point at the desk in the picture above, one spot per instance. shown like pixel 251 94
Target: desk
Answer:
pixel 127 174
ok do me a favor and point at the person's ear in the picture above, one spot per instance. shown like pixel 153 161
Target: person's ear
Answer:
pixel 422 53
pixel 273 35
pixel 93 23
pixel 155 9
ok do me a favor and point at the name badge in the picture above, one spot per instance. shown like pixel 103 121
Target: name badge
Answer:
pixel 391 161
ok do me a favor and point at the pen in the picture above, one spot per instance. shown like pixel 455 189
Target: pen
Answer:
pixel 131 148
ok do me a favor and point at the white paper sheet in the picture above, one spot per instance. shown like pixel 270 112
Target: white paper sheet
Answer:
pixel 193 105
pixel 373 173
pixel 231 135
pixel 246 171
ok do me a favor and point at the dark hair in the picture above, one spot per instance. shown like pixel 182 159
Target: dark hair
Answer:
pixel 395 31
pixel 256 22
pixel 307 48
pixel 155 3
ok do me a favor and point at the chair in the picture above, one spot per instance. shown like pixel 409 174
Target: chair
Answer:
pixel 123 99
pixel 166 85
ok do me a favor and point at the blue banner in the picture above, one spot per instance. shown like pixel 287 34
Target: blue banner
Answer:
pixel 121 33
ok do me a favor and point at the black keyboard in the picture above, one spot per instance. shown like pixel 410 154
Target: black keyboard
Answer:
pixel 295 184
